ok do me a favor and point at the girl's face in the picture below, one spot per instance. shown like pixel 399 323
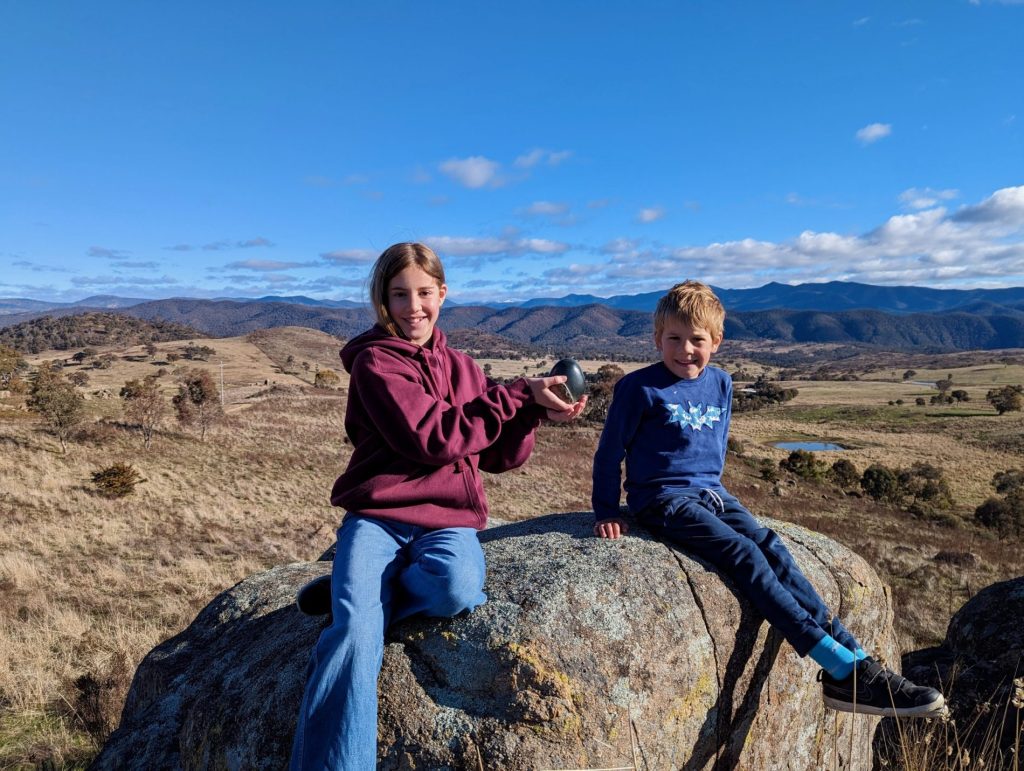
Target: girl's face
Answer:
pixel 414 302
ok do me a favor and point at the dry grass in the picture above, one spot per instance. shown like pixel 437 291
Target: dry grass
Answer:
pixel 89 585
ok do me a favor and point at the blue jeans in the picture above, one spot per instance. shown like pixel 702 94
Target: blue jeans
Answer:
pixel 383 572
pixel 716 527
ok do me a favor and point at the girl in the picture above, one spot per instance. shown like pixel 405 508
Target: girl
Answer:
pixel 422 419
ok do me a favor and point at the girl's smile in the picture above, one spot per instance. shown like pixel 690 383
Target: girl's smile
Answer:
pixel 414 302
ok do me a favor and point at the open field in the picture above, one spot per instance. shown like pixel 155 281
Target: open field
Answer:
pixel 89 585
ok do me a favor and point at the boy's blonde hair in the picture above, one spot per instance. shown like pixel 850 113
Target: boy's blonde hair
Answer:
pixel 393 261
pixel 691 302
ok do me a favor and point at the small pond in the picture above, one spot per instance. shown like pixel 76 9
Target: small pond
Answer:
pixel 809 446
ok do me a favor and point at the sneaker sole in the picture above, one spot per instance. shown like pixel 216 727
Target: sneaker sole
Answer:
pixel 936 709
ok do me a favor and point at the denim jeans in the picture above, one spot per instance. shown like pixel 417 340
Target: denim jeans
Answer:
pixel 384 571
pixel 716 527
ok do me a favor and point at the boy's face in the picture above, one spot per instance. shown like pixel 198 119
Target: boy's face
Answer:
pixel 685 349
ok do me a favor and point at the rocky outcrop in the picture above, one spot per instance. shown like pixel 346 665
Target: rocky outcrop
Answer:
pixel 975 667
pixel 588 654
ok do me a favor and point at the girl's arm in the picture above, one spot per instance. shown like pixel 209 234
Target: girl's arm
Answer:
pixel 424 427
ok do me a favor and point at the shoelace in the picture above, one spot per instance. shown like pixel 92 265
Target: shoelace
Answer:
pixel 892 679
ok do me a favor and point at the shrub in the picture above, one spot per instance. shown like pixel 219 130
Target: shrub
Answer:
pixel 1006 399
pixel 881 483
pixel 326 378
pixel 1004 515
pixel 735 446
pixel 116 481
pixel 919 401
pixel 844 474
pixel 804 465
pixel 768 470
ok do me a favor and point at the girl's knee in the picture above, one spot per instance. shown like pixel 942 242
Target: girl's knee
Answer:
pixel 448 587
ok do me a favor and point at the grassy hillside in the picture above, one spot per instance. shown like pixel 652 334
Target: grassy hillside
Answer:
pixel 90 584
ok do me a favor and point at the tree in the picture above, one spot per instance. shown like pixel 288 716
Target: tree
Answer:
pixel 144 406
pixel 326 378
pixel 881 483
pixel 960 395
pixel 57 401
pixel 925 483
pixel 1006 399
pixel 198 401
pixel 11 365
pixel 944 385
pixel 151 349
pixel 909 374
pixel 194 352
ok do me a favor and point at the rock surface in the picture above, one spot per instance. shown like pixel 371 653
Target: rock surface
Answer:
pixel 588 654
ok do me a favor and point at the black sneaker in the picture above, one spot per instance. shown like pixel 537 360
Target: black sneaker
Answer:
pixel 314 598
pixel 871 689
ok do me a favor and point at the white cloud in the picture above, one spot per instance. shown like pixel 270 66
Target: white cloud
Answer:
pixel 102 251
pixel 861 21
pixel 926 197
pixel 978 244
pixel 265 265
pixel 539 155
pixel 652 214
pixel 873 132
pixel 467 246
pixel 546 209
pixel 350 256
pixel 473 172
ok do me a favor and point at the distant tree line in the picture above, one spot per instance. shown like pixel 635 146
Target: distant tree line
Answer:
pixel 62 333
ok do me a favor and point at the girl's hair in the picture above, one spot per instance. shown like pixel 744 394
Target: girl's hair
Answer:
pixel 393 261
pixel 691 302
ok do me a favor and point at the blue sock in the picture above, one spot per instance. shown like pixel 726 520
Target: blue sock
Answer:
pixel 835 659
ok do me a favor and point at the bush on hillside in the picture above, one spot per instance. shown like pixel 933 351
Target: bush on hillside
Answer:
pixel 881 484
pixel 116 481
pixel 326 378
pixel 805 465
pixel 844 474
pixel 1006 399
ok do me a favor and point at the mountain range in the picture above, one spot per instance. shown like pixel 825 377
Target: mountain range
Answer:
pixel 895 318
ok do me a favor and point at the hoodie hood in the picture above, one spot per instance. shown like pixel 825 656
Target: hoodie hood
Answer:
pixel 378 336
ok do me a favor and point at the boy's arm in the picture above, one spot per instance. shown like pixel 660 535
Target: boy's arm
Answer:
pixel 619 427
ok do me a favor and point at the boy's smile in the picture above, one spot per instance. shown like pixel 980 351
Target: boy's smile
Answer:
pixel 685 349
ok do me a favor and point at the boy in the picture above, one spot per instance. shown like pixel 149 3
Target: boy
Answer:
pixel 670 421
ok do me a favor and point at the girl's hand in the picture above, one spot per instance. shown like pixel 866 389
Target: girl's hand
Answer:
pixel 611 528
pixel 558 410
pixel 572 414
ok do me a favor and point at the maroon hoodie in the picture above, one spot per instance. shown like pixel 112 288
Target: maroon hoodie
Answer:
pixel 422 421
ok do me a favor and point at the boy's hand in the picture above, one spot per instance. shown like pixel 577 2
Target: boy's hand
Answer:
pixel 611 528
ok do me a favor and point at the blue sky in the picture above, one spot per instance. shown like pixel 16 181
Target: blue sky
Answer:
pixel 251 148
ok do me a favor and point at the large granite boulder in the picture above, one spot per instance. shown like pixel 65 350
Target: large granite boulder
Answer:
pixel 588 654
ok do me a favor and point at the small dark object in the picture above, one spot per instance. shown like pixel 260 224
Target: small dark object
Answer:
pixel 575 384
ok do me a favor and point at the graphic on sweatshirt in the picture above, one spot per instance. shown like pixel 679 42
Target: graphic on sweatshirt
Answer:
pixel 696 417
